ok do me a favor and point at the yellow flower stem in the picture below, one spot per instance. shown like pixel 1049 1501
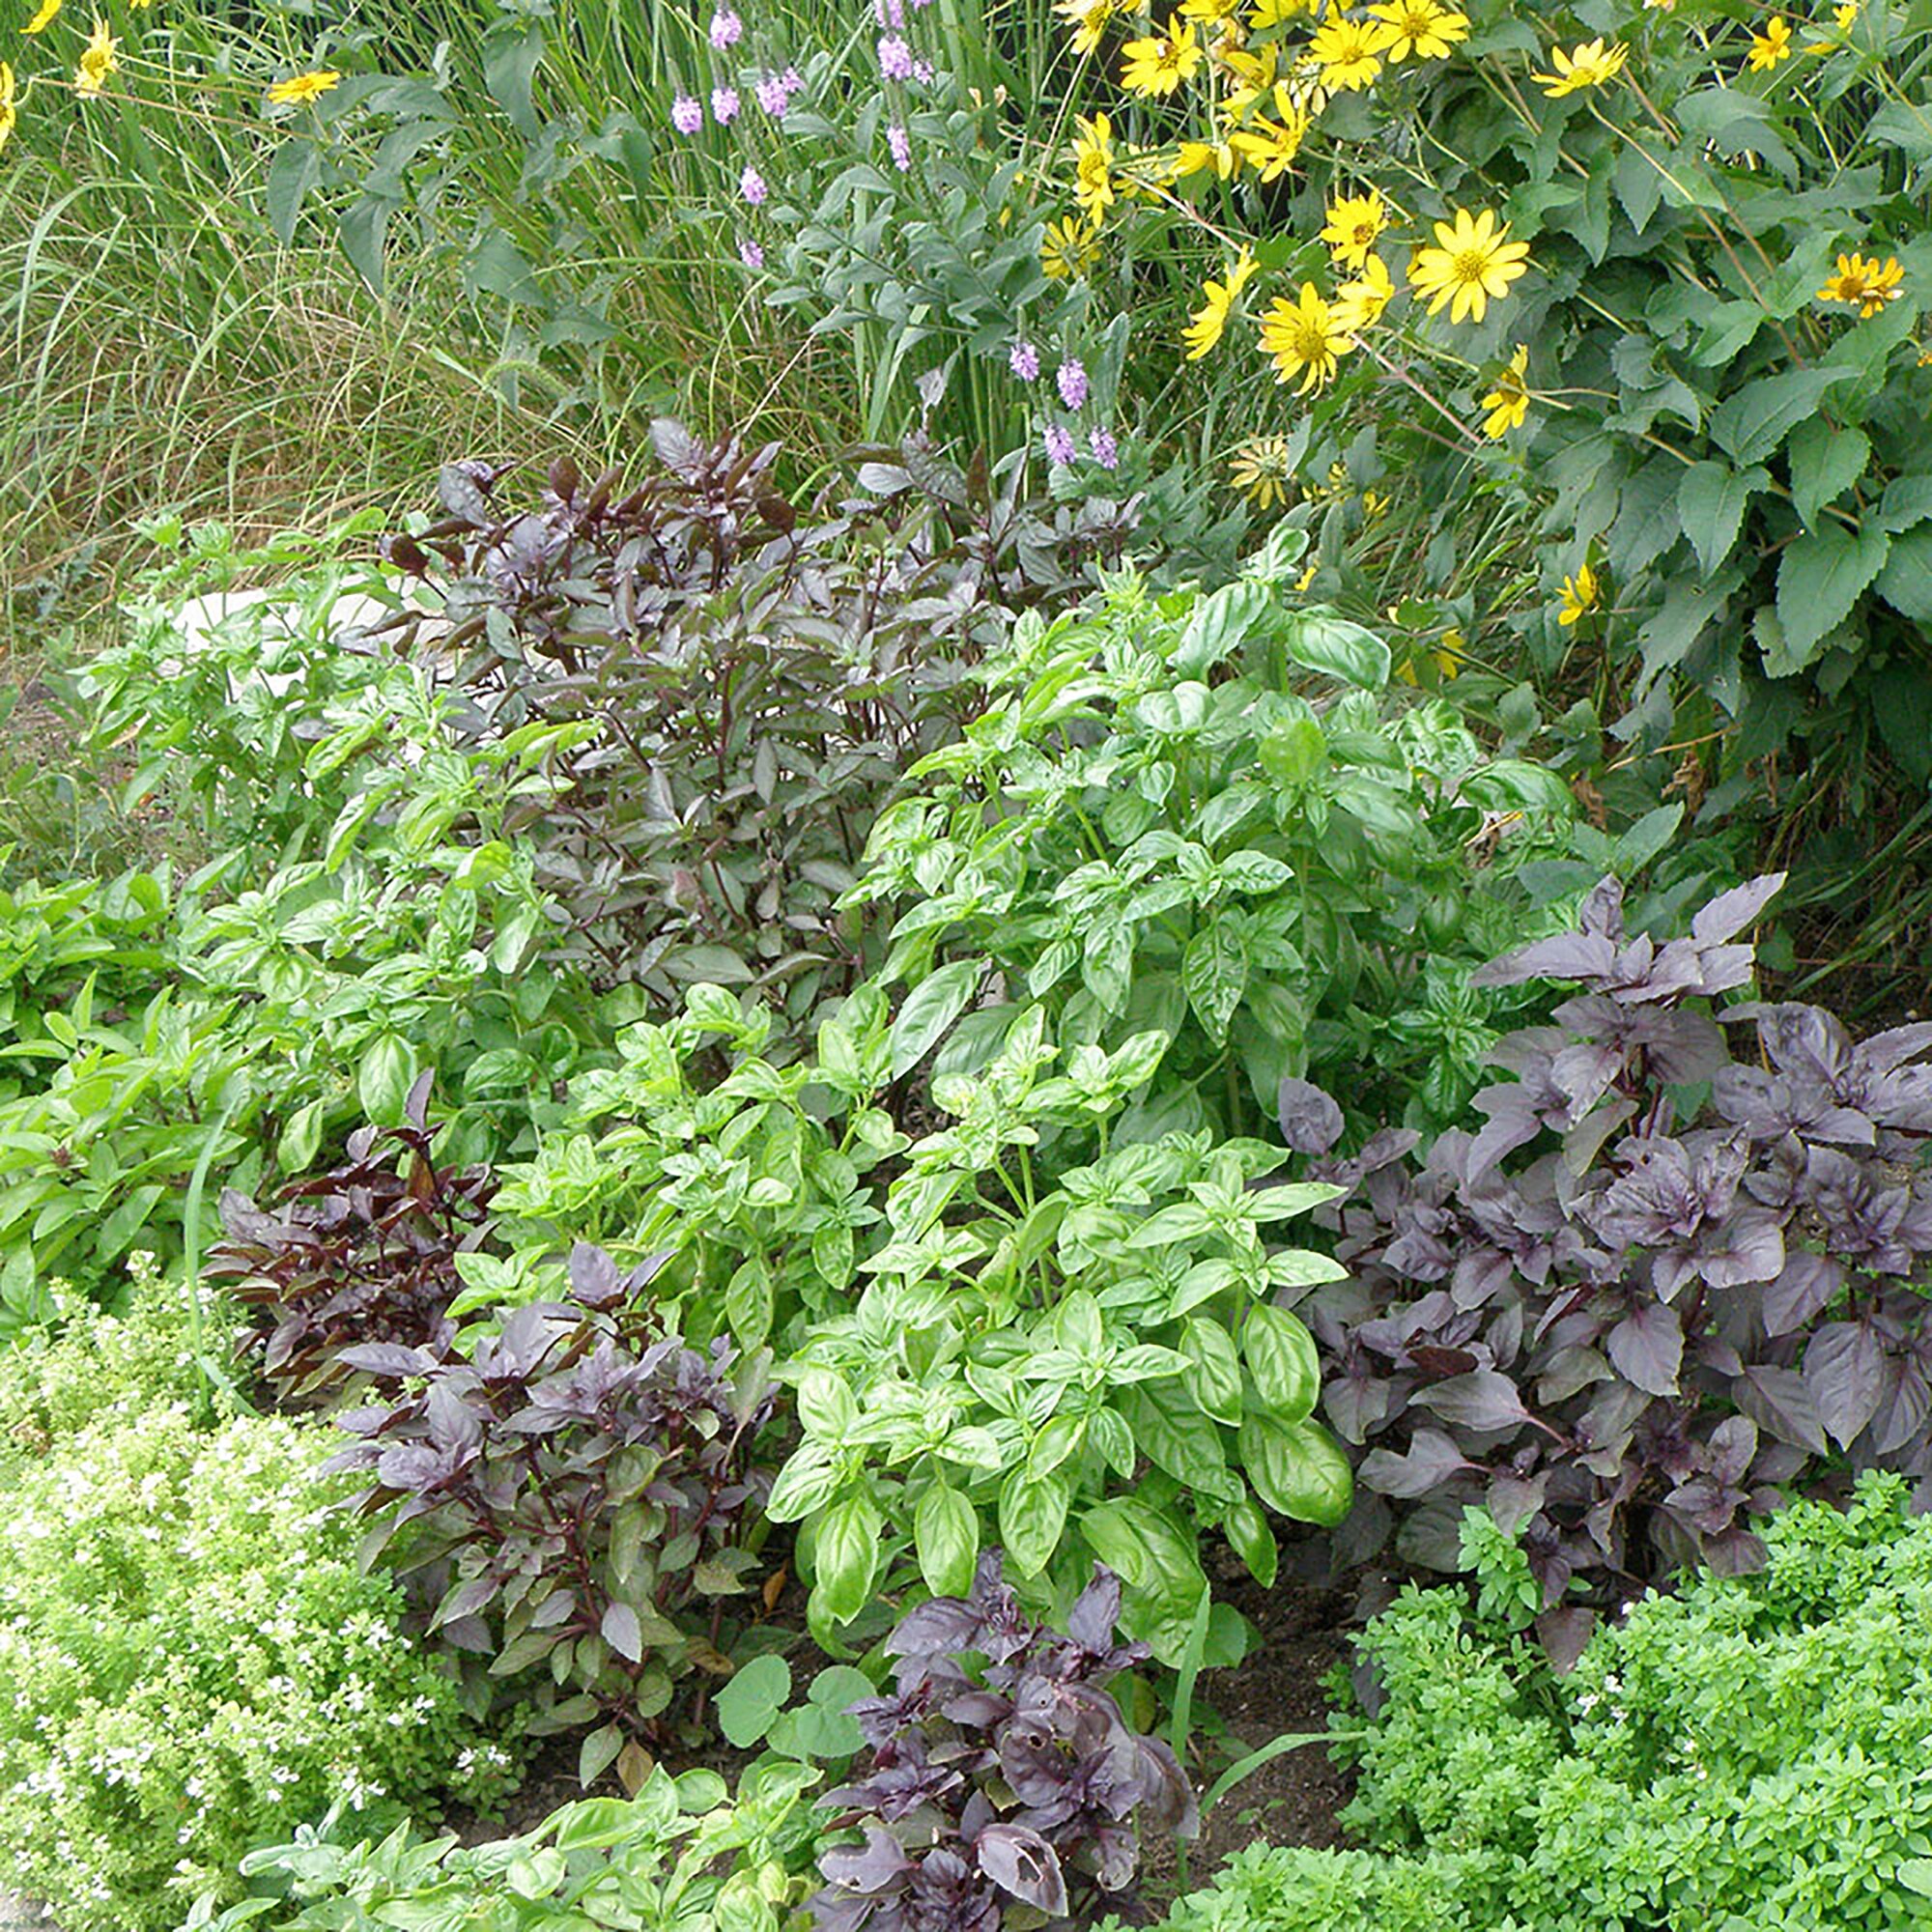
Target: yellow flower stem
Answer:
pixel 1463 433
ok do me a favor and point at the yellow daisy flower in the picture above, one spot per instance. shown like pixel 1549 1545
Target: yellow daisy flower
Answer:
pixel 1356 222
pixel 1771 46
pixel 97 61
pixel 1069 247
pixel 1304 338
pixel 1472 263
pixel 1207 12
pixel 1162 62
pixel 1261 469
pixel 42 15
pixel 301 88
pixel 1420 28
pixel 1589 64
pixel 1581 594
pixel 1508 403
pixel 1348 52
pixel 7 112
pixel 1271 146
pixel 1359 304
pixel 1205 329
pixel 1866 282
pixel 1089 19
pixel 1193 157
pixel 1093 168
pixel 1272 12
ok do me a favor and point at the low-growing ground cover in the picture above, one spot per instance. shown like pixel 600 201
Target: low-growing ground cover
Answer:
pixel 1138 1133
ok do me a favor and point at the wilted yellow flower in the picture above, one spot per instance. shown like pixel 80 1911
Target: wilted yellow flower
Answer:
pixel 1069 247
pixel 1303 338
pixel 1471 263
pixel 1771 46
pixel 1261 469
pixel 1581 594
pixel 1354 223
pixel 1589 64
pixel 1089 19
pixel 1420 27
pixel 1374 505
pixel 1843 19
pixel 1348 52
pixel 44 15
pixel 97 60
pixel 9 114
pixel 300 88
pixel 1508 403
pixel 1359 304
pixel 1093 168
pixel 1863 281
pixel 1218 299
pixel 1162 62
pixel 1271 146
pixel 1272 12
pixel 1208 10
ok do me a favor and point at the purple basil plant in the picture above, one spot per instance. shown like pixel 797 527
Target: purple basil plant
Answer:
pixel 1655 1289
pixel 1003 1787
pixel 579 1497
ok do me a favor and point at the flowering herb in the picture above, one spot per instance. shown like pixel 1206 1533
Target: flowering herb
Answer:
pixel 1002 1780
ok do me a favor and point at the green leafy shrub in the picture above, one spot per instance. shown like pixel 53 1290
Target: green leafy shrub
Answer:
pixel 730 685
pixel 685 1854
pixel 1748 1753
pixel 1011 1328
pixel 190 1657
pixel 1199 816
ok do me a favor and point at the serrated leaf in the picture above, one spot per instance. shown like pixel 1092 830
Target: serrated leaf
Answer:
pixel 1825 462
pixel 1820 577
pixel 1710 503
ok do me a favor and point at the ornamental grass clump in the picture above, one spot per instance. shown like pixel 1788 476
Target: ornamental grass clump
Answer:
pixel 191 1659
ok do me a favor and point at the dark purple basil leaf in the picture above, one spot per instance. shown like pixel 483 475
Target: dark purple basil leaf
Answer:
pixel 1022 1862
pixel 1779 1400
pixel 1904 1407
pixel 878 1866
pixel 1096 1612
pixel 1564 1634
pixel 1804 1286
pixel 1431 1459
pixel 1844 1370
pixel 387 1359
pixel 1647 1346
pixel 941 1625
pixel 594 1280
pixel 1733 1449
pixel 1311 1123
pixel 1729 913
pixel 1485 1400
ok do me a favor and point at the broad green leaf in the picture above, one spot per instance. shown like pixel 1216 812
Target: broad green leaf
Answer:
pixel 1281 1357
pixel 1820 576
pixel 752 1698
pixel 295 169
pixel 1906 580
pixel 1247 1531
pixel 1214 970
pixel 511 52
pixel 946 1537
pixel 1826 461
pixel 929 1010
pixel 1032 1516
pixel 1299 1470
pixel 1213 1374
pixel 845 1557
pixel 1319 639
pixel 1756 421
pixel 1710 503
pixel 384 1079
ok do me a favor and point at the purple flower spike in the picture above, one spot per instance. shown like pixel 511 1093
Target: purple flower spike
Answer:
pixel 922 72
pixel 890 14
pixel 726 29
pixel 772 95
pixel 1072 381
pixel 1106 450
pixel 1023 358
pixel 794 81
pixel 723 105
pixel 895 58
pixel 752 186
pixel 1059 446
pixel 900 143
pixel 687 114
pixel 749 253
